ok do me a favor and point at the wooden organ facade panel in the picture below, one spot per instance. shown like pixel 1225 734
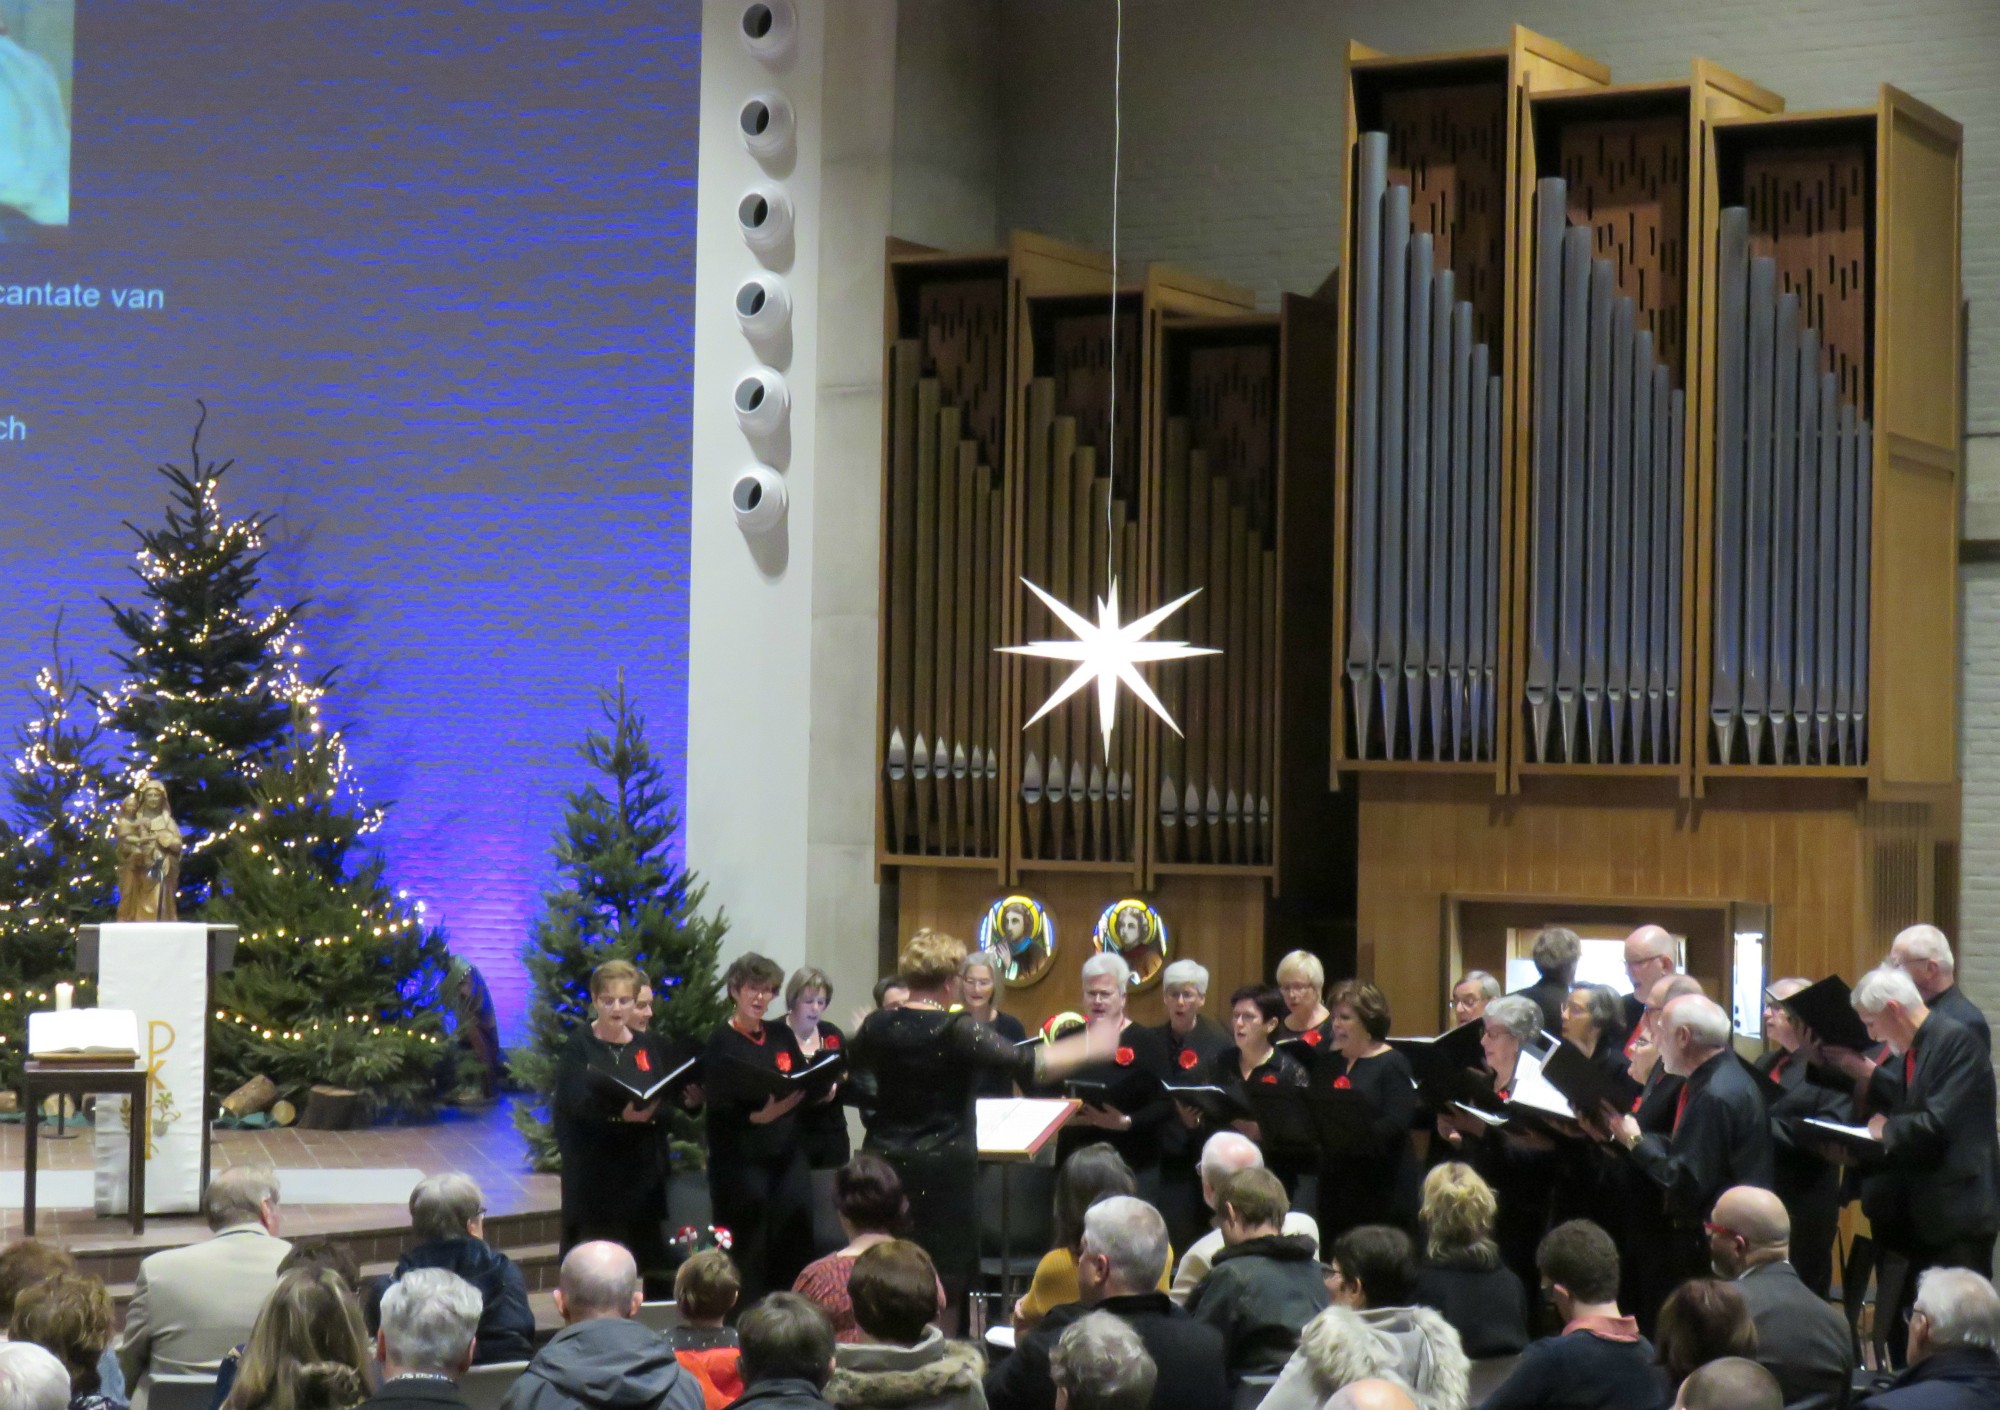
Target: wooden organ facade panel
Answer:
pixel 1841 875
pixel 1006 401
pixel 1830 472
pixel 1424 431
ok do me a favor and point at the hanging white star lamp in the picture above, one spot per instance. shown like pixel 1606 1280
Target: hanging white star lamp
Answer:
pixel 1108 652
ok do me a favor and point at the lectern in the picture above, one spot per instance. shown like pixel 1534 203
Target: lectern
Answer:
pixel 165 973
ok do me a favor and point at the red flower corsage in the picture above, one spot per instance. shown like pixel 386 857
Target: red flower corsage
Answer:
pixel 1314 1037
pixel 1270 1079
pixel 1188 1059
pixel 784 1061
pixel 644 1059
pixel 831 1042
pixel 1123 1057
pixel 1341 1084
pixel 1636 1101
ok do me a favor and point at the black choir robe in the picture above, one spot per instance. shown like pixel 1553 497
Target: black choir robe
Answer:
pixel 1806 1181
pixel 1953 1004
pixel 1721 1137
pixel 1133 1076
pixel 1937 1183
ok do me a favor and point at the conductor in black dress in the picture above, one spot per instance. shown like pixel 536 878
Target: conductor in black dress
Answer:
pixel 758 1184
pixel 918 1069
pixel 1380 1187
pixel 614 1163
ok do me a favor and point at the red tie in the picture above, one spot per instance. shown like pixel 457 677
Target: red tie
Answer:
pixel 1778 1067
pixel 1909 1069
pixel 1680 1110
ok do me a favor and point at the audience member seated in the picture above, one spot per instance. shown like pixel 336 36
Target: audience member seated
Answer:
pixel 1372 1394
pixel 70 1315
pixel 307 1348
pixel 1462 1275
pixel 31 1378
pixel 1101 1364
pixel 1954 1347
pixel 1264 1285
pixel 787 1354
pixel 905 1362
pixel 1702 1320
pixel 30 1261
pixel 1124 1254
pixel 312 1254
pixel 1801 1339
pixel 191 1305
pixel 1225 1153
pixel 1599 1362
pixel 1731 1383
pixel 1339 1351
pixel 429 1321
pixel 1373 1271
pixel 706 1288
pixel 869 1196
pixel 1089 1175
pixel 448 1216
pixel 602 1359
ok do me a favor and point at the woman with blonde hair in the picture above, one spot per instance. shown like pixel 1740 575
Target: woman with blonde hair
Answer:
pixel 919 1069
pixel 1462 1274
pixel 1308 1022
pixel 307 1350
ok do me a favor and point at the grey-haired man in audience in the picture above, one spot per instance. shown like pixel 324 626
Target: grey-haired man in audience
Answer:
pixel 192 1306
pixel 1100 1364
pixel 430 1319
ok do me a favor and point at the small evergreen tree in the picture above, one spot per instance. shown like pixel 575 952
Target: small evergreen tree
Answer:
pixel 209 679
pixel 56 866
pixel 622 897
pixel 337 975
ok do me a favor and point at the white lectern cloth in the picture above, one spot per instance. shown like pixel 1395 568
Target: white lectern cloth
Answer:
pixel 159 971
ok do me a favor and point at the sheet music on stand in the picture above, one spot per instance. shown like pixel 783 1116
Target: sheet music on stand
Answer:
pixel 1016 1128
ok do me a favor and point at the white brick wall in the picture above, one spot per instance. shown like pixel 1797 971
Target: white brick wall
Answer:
pixel 1979 761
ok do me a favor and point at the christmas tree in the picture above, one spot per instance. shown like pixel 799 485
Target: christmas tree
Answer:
pixel 622 897
pixel 56 868
pixel 337 974
pixel 209 678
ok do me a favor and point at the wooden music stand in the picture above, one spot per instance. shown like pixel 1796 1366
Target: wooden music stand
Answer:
pixel 72 1079
pixel 1012 1131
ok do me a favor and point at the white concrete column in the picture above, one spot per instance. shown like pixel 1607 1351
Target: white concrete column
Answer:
pixel 782 629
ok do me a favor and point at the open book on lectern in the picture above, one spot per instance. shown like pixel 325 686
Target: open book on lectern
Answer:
pixel 1015 1128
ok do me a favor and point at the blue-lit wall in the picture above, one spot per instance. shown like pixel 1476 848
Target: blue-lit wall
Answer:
pixel 431 265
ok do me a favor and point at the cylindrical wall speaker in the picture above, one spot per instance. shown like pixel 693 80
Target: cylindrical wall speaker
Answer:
pixel 764 214
pixel 762 401
pixel 758 498
pixel 763 305
pixel 766 122
pixel 769 28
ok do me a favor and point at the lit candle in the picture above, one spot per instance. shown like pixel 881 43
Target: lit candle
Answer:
pixel 63 993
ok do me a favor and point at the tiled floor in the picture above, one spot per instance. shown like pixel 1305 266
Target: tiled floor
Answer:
pixel 482 1144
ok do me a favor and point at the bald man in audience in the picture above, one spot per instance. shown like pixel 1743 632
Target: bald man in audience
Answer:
pixel 1650 956
pixel 1720 1134
pixel 1923 953
pixel 1371 1395
pixel 1801 1339
pixel 1732 1383
pixel 601 1346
